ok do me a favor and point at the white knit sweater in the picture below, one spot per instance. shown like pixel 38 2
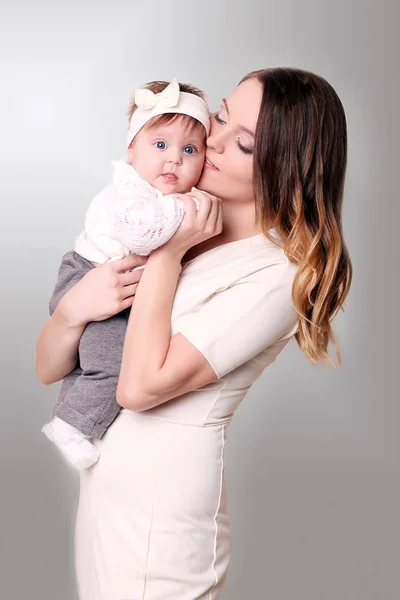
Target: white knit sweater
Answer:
pixel 129 216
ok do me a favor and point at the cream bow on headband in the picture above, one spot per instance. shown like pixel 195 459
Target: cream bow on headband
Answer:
pixel 169 97
pixel 170 100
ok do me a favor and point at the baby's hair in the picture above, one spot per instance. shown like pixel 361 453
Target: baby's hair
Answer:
pixel 158 86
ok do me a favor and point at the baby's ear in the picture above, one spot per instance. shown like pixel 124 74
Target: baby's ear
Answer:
pixel 129 154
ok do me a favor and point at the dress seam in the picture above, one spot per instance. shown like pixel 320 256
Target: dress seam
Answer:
pixel 214 402
pixel 155 476
pixel 216 512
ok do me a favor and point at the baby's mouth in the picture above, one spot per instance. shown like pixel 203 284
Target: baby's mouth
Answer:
pixel 169 177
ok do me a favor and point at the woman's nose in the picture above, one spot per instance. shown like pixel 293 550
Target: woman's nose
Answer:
pixel 216 140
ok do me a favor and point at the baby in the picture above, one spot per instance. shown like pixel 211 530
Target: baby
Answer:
pixel 134 214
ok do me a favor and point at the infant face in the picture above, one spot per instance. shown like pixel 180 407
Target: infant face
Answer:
pixel 170 156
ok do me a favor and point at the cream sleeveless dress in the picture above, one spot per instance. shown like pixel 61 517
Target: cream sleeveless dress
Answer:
pixel 152 520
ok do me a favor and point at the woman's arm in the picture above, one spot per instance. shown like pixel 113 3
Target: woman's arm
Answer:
pixel 57 347
pixel 147 376
pixel 100 294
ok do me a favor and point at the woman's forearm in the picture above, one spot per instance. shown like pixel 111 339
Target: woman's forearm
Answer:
pixel 148 332
pixel 57 348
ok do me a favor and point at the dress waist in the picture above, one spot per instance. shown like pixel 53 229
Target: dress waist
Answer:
pixel 145 415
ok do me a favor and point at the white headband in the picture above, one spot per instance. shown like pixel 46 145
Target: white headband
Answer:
pixel 170 100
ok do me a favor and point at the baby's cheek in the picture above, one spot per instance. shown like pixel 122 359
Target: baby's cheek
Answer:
pixel 201 162
pixel 196 172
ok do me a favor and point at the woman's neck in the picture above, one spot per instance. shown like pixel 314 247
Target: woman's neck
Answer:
pixel 239 223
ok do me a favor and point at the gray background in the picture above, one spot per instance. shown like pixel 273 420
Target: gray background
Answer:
pixel 313 453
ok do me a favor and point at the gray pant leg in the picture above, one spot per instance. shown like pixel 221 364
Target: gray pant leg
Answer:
pixel 87 395
pixel 90 403
pixel 72 268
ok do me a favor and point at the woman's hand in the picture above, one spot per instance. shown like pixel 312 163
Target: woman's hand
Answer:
pixel 197 225
pixel 102 292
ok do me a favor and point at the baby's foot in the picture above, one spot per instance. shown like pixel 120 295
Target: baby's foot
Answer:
pixel 74 445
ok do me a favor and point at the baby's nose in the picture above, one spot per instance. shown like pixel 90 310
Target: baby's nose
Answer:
pixel 174 156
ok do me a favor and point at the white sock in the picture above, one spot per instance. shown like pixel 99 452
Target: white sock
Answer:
pixel 73 444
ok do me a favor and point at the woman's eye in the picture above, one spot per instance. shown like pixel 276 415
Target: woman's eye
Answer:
pixel 240 146
pixel 218 119
pixel 160 145
pixel 243 148
pixel 189 150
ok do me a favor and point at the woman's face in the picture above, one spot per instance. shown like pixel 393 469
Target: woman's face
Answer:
pixel 228 169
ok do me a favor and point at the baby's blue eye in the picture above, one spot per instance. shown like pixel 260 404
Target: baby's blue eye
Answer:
pixel 161 145
pixel 190 150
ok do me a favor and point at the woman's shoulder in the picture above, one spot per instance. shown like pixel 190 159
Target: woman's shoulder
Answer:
pixel 268 262
pixel 255 260
pixel 275 276
pixel 271 281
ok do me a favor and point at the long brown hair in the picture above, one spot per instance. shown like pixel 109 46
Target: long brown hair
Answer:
pixel 300 159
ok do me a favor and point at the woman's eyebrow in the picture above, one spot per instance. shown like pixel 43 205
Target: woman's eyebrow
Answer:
pixel 241 126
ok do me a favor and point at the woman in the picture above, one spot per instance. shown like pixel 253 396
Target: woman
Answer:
pixel 263 260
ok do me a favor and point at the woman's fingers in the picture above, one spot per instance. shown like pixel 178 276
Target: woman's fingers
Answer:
pixel 128 262
pixel 205 202
pixel 201 206
pixel 127 303
pixel 200 195
pixel 211 211
pixel 214 211
pixel 220 218
pixel 130 277
pixel 128 291
pixel 192 205
pixel 196 191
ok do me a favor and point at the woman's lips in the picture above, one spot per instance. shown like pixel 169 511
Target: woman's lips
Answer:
pixel 210 165
pixel 170 178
